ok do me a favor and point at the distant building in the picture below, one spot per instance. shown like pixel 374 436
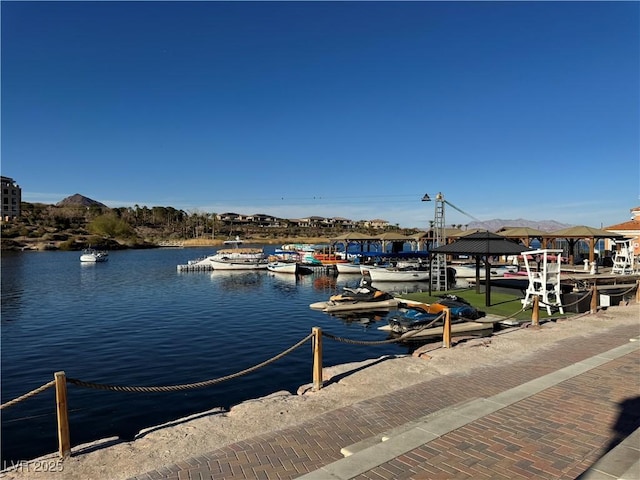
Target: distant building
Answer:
pixel 11 198
pixel 630 229
pixel 376 223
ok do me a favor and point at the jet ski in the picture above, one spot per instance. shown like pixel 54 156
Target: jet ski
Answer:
pixel 420 315
pixel 364 297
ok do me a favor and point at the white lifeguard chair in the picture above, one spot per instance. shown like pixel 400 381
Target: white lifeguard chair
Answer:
pixel 543 270
pixel 624 262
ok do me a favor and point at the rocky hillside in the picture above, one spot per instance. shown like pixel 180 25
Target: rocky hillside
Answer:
pixel 77 199
pixel 497 224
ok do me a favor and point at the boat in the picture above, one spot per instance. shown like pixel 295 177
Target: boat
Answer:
pixel 348 268
pixel 283 267
pixel 468 270
pixel 364 297
pixel 239 259
pixel 91 255
pixel 330 258
pixel 289 262
pixel 234 258
pixel 394 274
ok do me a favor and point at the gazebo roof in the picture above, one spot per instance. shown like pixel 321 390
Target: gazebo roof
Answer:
pixel 482 243
pixel 353 237
pixel 519 232
pixel 393 237
pixel 582 231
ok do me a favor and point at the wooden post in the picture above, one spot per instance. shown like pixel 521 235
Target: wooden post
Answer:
pixel 594 299
pixel 446 331
pixel 317 358
pixel 637 291
pixel 535 316
pixel 64 443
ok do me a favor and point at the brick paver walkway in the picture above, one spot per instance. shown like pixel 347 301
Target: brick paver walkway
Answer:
pixel 555 434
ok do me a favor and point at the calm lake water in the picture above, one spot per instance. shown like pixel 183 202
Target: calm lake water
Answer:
pixel 135 320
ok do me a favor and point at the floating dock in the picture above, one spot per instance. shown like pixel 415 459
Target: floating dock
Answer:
pixel 457 329
pixel 315 269
pixel 195 267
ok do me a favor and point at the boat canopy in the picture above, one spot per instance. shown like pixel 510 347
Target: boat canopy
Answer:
pixel 400 255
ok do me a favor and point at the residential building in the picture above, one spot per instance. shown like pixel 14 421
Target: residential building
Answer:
pixel 11 198
pixel 630 229
pixel 376 224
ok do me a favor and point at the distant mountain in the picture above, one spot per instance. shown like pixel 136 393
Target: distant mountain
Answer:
pixel 79 200
pixel 497 224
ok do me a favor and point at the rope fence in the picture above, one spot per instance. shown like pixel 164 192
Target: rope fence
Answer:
pixel 60 380
pixel 188 386
pixel 30 394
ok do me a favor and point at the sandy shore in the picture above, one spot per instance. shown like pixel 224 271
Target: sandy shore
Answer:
pixel 207 431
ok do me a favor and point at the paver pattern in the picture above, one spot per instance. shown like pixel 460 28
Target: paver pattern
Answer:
pixel 555 434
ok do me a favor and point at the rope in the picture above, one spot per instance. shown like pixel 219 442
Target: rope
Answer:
pixel 173 388
pixel 514 314
pixel 28 395
pixel 383 342
pixel 631 289
pixel 568 304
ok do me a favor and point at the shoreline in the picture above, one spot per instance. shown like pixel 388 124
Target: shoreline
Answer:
pixel 346 384
pixel 41 245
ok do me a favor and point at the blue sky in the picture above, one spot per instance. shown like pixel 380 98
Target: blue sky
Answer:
pixel 340 109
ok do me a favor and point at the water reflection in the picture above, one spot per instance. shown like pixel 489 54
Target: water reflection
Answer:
pixel 366 319
pixel 401 287
pixel 13 287
pixel 236 279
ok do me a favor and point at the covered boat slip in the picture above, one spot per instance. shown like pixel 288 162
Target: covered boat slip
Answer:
pixel 388 258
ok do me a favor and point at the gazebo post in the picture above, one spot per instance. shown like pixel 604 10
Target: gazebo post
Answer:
pixel 487 280
pixel 477 273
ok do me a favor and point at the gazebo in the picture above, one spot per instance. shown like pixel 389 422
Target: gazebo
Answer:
pixel 392 237
pixel 523 234
pixel 482 244
pixel 360 238
pixel 581 232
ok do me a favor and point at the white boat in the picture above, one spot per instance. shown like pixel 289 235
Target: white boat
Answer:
pixel 348 268
pixel 90 255
pixel 283 267
pixel 468 270
pixel 365 297
pixel 235 258
pixel 393 274
pixel 237 263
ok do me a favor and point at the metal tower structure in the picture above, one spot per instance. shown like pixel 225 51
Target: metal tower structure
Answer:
pixel 438 274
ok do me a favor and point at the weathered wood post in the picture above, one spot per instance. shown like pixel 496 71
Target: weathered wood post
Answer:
pixel 594 299
pixel 446 332
pixel 535 315
pixel 64 443
pixel 637 291
pixel 317 358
